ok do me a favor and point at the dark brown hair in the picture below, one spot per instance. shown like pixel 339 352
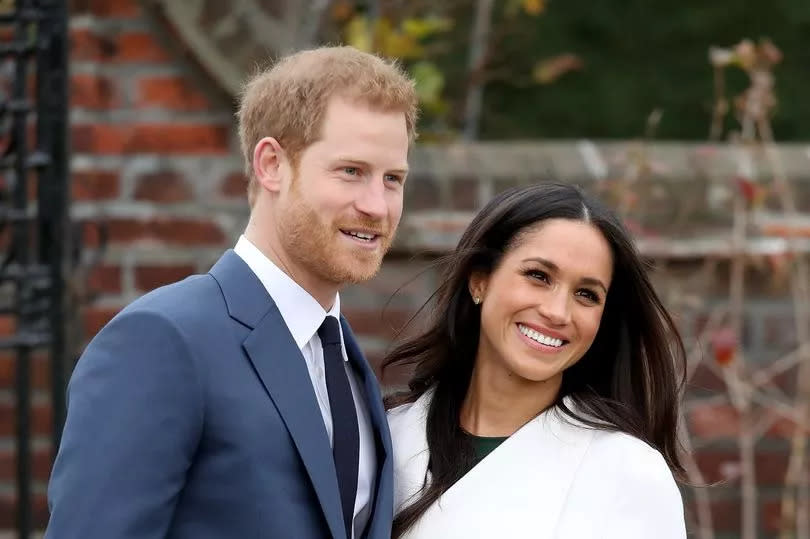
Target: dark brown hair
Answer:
pixel 629 380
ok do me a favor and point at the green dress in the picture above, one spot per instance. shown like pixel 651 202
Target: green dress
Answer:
pixel 484 445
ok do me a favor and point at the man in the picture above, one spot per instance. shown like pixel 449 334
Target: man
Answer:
pixel 233 404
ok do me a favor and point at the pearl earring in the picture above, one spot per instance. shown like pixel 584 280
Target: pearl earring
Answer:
pixel 476 300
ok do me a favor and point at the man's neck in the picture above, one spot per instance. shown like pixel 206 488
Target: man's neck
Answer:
pixel 324 293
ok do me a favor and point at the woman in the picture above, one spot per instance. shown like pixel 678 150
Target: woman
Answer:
pixel 544 395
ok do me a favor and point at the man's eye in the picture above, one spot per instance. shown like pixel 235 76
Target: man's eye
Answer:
pixel 393 178
pixel 352 171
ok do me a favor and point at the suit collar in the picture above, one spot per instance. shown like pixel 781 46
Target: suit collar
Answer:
pixel 301 312
pixel 246 299
pixel 280 366
pixel 278 362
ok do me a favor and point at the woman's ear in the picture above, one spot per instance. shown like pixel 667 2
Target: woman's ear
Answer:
pixel 477 285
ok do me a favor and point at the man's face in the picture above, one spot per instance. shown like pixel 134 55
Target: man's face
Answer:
pixel 338 215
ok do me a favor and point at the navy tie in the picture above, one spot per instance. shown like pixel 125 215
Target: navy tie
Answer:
pixel 345 432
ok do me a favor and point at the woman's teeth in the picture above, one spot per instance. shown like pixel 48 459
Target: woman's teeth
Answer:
pixel 539 337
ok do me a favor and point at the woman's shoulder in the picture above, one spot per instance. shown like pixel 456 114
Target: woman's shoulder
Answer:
pixel 632 485
pixel 630 459
pixel 410 411
pixel 397 414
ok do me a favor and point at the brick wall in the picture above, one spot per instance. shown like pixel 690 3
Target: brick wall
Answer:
pixel 156 173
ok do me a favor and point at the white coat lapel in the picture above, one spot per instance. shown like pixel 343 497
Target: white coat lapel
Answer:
pixel 410 448
pixel 517 491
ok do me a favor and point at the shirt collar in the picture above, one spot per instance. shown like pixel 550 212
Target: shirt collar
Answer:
pixel 300 311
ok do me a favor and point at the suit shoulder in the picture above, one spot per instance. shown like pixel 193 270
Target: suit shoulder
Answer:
pixel 190 298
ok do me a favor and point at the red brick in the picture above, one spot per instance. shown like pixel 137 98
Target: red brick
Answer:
pixel 106 8
pixel 163 187
pixel 40 371
pixel 726 515
pixel 95 185
pixel 139 47
pixel 187 232
pixel 392 376
pixel 96 318
pixel 234 185
pixel 100 138
pixel 170 92
pixel 464 193
pixel 93 92
pixel 713 422
pixel 705 378
pixel 92 233
pixel 180 139
pixel 126 230
pixel 32 186
pixel 771 518
pixel 106 279
pixel 786 230
pixel 135 46
pixel 150 138
pixel 8 324
pixel 40 465
pixel 721 465
pixel 89 46
pixel 151 277
pixel 376 322
pixel 41 420
pixel 180 231
pixel 784 428
pixel 39 511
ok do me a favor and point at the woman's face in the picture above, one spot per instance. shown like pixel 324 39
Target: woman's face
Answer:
pixel 541 307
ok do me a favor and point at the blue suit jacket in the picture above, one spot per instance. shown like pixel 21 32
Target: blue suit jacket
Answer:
pixel 192 415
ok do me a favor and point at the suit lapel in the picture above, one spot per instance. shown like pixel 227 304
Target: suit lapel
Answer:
pixel 281 368
pixel 382 512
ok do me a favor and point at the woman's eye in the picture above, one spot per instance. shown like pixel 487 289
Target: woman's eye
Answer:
pixel 589 295
pixel 538 275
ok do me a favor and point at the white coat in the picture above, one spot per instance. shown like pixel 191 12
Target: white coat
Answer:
pixel 553 478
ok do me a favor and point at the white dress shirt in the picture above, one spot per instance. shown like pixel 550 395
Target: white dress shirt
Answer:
pixel 303 316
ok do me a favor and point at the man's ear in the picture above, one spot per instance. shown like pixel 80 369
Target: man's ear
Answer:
pixel 269 159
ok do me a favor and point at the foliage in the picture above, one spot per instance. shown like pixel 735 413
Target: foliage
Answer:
pixel 643 55
pixel 426 38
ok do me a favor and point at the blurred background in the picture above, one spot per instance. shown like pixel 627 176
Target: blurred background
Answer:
pixel 120 172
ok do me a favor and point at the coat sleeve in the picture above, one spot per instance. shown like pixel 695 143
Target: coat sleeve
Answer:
pixel 648 502
pixel 134 419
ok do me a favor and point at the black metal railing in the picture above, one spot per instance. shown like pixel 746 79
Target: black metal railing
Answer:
pixel 34 219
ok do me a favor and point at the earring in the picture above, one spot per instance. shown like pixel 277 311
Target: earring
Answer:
pixel 476 300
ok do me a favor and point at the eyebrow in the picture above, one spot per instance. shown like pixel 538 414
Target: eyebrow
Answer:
pixel 366 164
pixel 593 281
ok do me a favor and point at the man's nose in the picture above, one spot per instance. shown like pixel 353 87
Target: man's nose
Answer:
pixel 371 199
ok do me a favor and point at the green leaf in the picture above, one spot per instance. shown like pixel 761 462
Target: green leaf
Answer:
pixel 426 26
pixel 429 82
pixel 358 34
